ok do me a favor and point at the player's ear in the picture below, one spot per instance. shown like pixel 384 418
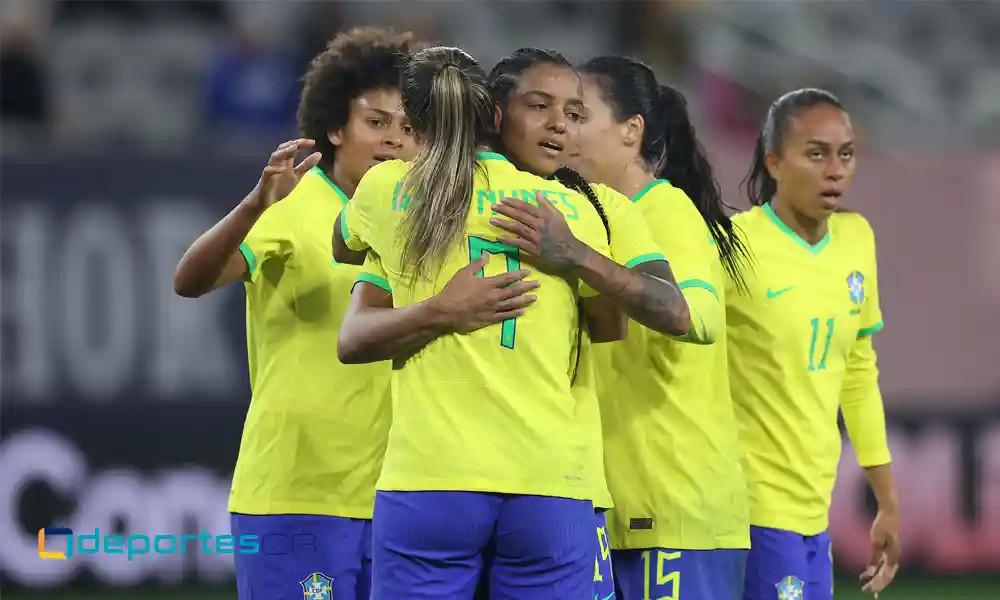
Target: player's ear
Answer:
pixel 497 117
pixel 632 130
pixel 772 162
pixel 336 137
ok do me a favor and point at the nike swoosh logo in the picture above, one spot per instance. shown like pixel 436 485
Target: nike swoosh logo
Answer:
pixel 608 597
pixel 771 294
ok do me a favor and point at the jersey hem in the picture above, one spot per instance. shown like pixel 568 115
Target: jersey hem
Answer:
pixel 801 526
pixel 646 542
pixel 301 508
pixel 490 487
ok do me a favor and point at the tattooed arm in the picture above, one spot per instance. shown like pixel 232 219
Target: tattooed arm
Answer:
pixel 648 293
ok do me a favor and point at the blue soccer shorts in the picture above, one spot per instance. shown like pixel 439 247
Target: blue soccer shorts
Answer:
pixel 442 545
pixel 604 577
pixel 298 555
pixel 785 564
pixel 680 574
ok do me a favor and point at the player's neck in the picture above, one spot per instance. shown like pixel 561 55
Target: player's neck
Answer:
pixel 631 180
pixel 810 230
pixel 341 180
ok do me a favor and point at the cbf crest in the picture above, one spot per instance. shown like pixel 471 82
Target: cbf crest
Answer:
pixel 317 587
pixel 856 287
pixel 789 588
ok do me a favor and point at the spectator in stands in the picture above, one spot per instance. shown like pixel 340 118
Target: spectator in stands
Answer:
pixel 252 85
pixel 26 96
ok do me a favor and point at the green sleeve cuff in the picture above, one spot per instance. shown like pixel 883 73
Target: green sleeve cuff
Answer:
pixel 698 283
pixel 249 257
pixel 374 280
pixel 344 232
pixel 645 258
pixel 877 327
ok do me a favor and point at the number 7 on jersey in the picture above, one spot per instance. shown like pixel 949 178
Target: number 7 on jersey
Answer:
pixel 477 248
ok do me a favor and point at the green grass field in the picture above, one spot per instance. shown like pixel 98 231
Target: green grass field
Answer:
pixel 971 588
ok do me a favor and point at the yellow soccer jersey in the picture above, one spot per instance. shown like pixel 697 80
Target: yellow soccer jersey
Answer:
pixel 492 410
pixel 316 429
pixel 671 444
pixel 631 245
pixel 808 308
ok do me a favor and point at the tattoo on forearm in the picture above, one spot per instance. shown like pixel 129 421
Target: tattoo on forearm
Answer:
pixel 558 247
pixel 654 299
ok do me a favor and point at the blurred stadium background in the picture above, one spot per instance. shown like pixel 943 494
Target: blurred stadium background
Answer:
pixel 128 127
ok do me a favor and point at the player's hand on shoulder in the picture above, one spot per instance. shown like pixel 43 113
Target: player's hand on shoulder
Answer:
pixel 541 231
pixel 281 175
pixel 469 301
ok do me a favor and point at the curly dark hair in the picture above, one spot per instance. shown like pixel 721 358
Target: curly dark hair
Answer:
pixel 354 62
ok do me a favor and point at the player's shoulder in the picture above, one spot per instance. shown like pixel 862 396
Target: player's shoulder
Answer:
pixel 748 218
pixel 852 224
pixel 389 171
pixel 315 183
pixel 664 199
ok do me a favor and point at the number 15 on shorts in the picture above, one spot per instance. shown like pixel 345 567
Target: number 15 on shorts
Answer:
pixel 658 575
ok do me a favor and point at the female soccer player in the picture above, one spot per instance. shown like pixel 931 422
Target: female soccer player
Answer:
pixel 679 528
pixel 800 349
pixel 540 97
pixel 316 429
pixel 421 224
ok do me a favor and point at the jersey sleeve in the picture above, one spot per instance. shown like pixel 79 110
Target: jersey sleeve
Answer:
pixel 597 239
pixel 679 229
pixel 631 241
pixel 861 405
pixel 358 217
pixel 271 238
pixel 372 272
pixel 871 311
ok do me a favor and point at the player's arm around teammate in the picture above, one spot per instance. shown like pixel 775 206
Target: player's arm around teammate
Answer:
pixel 373 330
pixel 815 293
pixel 538 95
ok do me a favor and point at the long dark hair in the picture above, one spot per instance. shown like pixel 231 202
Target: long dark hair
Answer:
pixel 670 146
pixel 759 185
pixel 449 106
pixel 504 79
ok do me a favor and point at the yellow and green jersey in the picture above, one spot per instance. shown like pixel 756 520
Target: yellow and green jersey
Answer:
pixel 670 435
pixel 798 352
pixel 316 429
pixel 492 410
pixel 631 245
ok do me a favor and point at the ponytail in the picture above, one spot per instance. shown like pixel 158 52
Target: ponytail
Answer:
pixel 758 183
pixel 686 166
pixel 670 147
pixel 574 181
pixel 447 100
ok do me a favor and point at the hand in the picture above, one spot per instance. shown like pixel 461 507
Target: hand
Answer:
pixel 541 232
pixel 885 554
pixel 280 177
pixel 469 302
